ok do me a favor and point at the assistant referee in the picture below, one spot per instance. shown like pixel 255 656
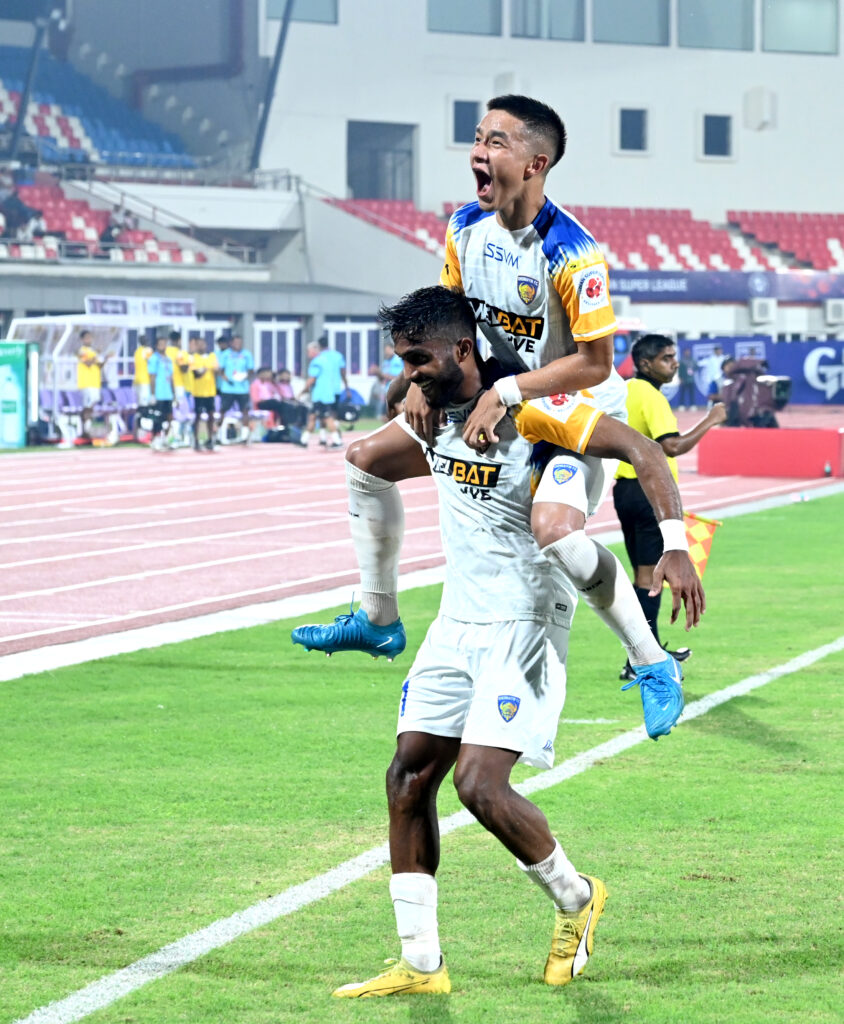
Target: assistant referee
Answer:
pixel 648 411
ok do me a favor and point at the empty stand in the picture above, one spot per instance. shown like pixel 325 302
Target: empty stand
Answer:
pixel 74 228
pixel 76 121
pixel 812 238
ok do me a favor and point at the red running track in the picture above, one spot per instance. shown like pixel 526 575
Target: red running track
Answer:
pixel 98 541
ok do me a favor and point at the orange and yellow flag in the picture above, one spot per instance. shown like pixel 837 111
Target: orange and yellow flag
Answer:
pixel 699 532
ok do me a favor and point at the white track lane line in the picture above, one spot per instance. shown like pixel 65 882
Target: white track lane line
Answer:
pixel 169 958
pixel 175 570
pixel 146 508
pixel 25 662
pixel 235 535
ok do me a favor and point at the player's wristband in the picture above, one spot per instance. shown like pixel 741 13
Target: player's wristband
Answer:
pixel 673 535
pixel 508 391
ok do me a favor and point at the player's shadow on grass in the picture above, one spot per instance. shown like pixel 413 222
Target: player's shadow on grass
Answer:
pixel 732 721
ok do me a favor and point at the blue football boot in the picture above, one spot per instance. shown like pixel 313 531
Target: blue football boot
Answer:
pixel 662 695
pixel 353 632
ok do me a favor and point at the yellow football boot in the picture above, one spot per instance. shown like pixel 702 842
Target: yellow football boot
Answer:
pixel 573 938
pixel 400 978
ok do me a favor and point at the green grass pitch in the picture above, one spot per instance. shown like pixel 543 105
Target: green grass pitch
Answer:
pixel 145 796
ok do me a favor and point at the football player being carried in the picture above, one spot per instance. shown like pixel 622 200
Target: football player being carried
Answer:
pixel 537 284
pixel 488 684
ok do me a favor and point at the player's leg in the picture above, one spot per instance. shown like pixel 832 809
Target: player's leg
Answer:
pixel 374 464
pixel 571 488
pixel 334 433
pixel 644 544
pixel 310 423
pixel 435 696
pixel 518 722
pixel 420 764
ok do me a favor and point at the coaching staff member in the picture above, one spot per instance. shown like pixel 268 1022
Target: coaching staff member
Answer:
pixel 648 411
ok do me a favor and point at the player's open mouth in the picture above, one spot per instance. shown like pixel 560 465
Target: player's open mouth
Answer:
pixel 483 183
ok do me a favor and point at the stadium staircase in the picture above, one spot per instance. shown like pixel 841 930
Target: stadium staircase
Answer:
pixel 74 228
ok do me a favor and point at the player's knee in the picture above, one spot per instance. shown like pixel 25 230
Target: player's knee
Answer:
pixel 551 523
pixel 476 792
pixel 407 788
pixel 358 454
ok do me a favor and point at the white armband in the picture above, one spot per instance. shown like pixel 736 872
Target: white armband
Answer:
pixel 673 535
pixel 508 391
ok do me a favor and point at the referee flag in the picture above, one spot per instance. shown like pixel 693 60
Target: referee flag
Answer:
pixel 699 533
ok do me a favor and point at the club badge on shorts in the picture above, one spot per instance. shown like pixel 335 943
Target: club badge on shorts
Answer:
pixel 508 706
pixel 563 473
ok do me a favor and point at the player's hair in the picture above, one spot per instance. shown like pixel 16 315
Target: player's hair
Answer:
pixel 541 121
pixel 175 336
pixel 649 346
pixel 427 313
pixel 323 341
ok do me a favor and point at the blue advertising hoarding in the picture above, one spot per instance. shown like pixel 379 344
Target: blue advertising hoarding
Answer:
pixel 816 368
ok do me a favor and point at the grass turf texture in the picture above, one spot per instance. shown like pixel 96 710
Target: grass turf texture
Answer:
pixel 147 795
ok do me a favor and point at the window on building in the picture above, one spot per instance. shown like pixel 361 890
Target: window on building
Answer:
pixel 465 117
pixel 717 135
pixel 548 19
pixel 380 160
pixel 800 26
pixel 715 24
pixel 305 10
pixel 477 17
pixel 620 21
pixel 632 130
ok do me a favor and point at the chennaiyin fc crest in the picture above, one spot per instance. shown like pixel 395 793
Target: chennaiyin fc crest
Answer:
pixel 563 473
pixel 508 706
pixel 527 289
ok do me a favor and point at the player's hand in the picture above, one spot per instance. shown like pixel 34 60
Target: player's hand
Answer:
pixel 676 568
pixel 718 413
pixel 420 415
pixel 479 432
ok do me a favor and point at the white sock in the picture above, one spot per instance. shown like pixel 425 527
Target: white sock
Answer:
pixel 303 437
pixel 377 526
pixel 600 578
pixel 322 435
pixel 414 899
pixel 335 438
pixel 557 878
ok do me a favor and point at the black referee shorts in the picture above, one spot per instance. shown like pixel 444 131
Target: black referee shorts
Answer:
pixel 638 523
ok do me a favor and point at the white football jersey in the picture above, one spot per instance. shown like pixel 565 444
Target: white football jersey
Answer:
pixel 536 292
pixel 495 571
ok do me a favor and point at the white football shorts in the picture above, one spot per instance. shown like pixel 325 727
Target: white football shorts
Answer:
pixel 496 684
pixel 580 481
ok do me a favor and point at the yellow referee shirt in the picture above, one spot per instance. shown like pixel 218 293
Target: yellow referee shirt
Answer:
pixel 648 412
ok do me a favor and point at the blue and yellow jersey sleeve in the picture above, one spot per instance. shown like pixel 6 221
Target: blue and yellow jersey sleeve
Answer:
pixel 566 421
pixel 450 275
pixel 578 272
pixel 648 412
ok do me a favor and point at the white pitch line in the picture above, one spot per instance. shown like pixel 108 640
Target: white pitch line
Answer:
pixel 100 994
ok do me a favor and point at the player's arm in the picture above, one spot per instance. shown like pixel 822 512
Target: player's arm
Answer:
pixel 679 444
pixel 420 416
pixel 612 439
pixel 582 288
